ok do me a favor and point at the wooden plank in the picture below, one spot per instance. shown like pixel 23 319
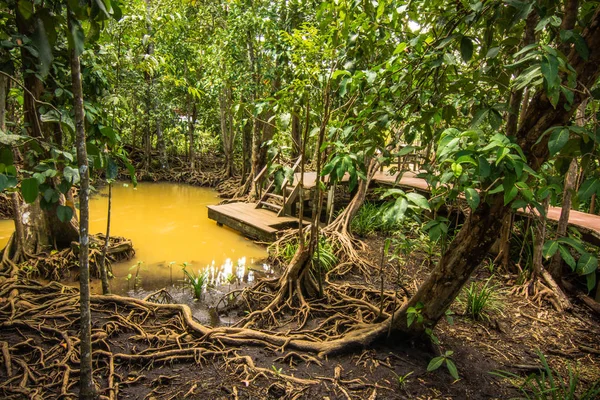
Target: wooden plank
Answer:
pixel 257 223
pixel 251 229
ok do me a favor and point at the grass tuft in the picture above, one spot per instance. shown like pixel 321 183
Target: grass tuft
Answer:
pixel 481 299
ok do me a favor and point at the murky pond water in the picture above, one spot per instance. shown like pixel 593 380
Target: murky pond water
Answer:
pixel 168 225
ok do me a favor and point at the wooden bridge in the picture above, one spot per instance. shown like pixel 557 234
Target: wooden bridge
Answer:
pixel 272 213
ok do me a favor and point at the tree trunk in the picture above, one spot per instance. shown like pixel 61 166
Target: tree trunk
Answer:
pixel 160 144
pixel 40 230
pixel 480 229
pixel 505 233
pixel 103 269
pixel 560 301
pixel 344 219
pixel 570 187
pixel 86 383
pixel 556 265
pixel 246 149
pixel 191 128
pixel 149 96
pixel 256 163
pixel 296 132
pixel 227 132
pixel 33 85
pixel 3 94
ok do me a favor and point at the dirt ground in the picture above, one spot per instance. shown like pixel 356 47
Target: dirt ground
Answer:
pixel 391 369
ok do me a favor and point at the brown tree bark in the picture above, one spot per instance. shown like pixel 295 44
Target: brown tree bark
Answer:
pixel 296 132
pixel 191 133
pixel 87 389
pixel 149 79
pixel 227 131
pixel 570 186
pixel 246 149
pixel 556 265
pixel 103 269
pixel 560 301
pixel 3 94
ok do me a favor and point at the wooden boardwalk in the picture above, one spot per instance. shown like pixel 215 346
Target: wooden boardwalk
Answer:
pixel 257 223
pixel 263 224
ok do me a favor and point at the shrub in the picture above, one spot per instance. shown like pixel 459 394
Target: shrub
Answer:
pixel 196 282
pixel 325 254
pixel 550 384
pixel 369 219
pixel 480 300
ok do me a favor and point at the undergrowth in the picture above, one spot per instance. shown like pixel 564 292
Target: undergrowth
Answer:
pixel 324 255
pixel 480 300
pixel 369 220
pixel 197 282
pixel 550 384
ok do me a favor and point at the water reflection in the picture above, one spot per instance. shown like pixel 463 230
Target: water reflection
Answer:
pixel 210 304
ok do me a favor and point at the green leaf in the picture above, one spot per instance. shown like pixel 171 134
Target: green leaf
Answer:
pixel 42 44
pixel 25 8
pixel 479 117
pixel 558 139
pixel 64 186
pixel 410 318
pixel 418 200
pixel 492 52
pixel 567 257
pixel 111 169
pixel 400 48
pixel 588 188
pixel 591 281
pixel 117 12
pixel 581 47
pixel 457 170
pixel 102 7
pixel 587 264
pixel 110 134
pixel 340 72
pixel 466 49
pixel 3 182
pixel 550 248
pixel 6 154
pixel 76 38
pixel 72 175
pixel 576 244
pixel 550 70
pixel 65 213
pixel 510 190
pixel 29 189
pixel 484 167
pixel 452 368
pixel 406 150
pixel 472 197
pixel 371 75
pixel 435 363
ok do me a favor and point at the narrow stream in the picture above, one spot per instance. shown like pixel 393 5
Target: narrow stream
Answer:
pixel 168 225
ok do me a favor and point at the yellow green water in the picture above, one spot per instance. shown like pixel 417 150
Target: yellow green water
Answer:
pixel 166 222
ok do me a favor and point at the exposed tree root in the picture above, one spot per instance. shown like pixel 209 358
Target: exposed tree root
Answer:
pixel 40 351
pixel 59 264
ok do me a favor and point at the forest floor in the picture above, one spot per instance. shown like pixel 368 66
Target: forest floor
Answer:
pixel 507 342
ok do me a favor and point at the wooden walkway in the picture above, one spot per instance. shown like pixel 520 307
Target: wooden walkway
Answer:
pixel 256 223
pixel 263 224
